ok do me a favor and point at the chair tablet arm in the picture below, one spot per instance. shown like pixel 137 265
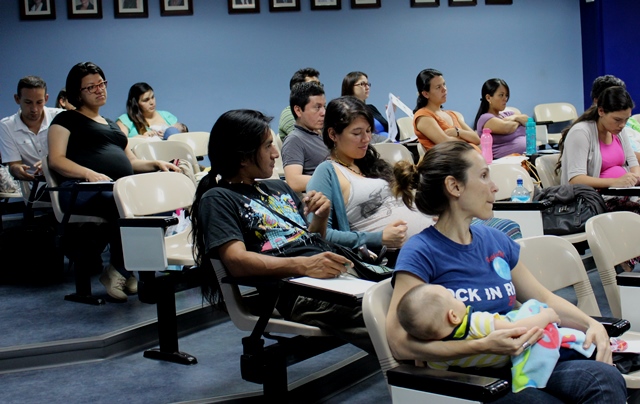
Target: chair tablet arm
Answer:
pixel 539 206
pixel 544 123
pixel 628 279
pixel 444 382
pixel 252 281
pixel 85 187
pixel 155 221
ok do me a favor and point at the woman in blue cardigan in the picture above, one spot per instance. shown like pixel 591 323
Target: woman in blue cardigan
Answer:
pixel 358 183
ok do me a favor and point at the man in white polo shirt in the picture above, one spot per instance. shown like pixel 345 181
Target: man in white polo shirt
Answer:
pixel 23 135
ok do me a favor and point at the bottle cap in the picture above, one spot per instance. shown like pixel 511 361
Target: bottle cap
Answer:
pixel 486 131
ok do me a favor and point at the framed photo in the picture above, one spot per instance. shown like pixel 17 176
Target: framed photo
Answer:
pixel 365 3
pixel 498 2
pixel 284 5
pixel 37 9
pixel 246 6
pixel 326 4
pixel 453 3
pixel 84 9
pixel 425 3
pixel 176 7
pixel 131 8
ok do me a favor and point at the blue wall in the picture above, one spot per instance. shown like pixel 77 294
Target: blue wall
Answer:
pixel 610 34
pixel 205 64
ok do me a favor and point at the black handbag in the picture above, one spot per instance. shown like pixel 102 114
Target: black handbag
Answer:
pixel 361 269
pixel 568 207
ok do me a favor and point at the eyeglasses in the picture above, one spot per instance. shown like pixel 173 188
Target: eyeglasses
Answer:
pixel 92 89
pixel 364 84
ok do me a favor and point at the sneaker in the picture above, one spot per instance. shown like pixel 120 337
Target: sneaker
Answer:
pixel 131 285
pixel 114 283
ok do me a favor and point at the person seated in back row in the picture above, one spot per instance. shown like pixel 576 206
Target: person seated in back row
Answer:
pixel 287 118
pixel 142 118
pixel 303 150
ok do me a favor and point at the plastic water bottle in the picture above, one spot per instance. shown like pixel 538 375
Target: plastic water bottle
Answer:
pixel 520 193
pixel 486 144
pixel 530 130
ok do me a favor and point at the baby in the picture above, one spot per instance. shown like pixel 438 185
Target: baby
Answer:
pixel 430 312
pixel 177 127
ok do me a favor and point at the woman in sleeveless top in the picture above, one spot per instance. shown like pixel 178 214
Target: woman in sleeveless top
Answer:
pixel 431 123
pixel 358 183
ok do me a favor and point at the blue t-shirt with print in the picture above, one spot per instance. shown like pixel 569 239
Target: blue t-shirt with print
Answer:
pixel 479 274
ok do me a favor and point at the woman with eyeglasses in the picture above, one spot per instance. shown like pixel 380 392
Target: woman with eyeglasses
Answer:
pixel 357 84
pixel 431 123
pixel 507 127
pixel 142 117
pixel 85 146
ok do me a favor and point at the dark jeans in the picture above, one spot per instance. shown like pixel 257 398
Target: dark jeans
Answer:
pixel 103 205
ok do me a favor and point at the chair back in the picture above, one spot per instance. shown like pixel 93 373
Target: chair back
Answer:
pixel 636 117
pixel 199 141
pixel 375 305
pixel 153 193
pixel 405 128
pixel 245 321
pixel 546 167
pixel 555 112
pixel 393 153
pixel 556 264
pixel 513 109
pixel 505 176
pixel 278 170
pixel 136 140
pixel 613 238
pixel 167 151
pixel 53 181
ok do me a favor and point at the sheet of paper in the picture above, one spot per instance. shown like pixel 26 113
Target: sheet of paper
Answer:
pixel 344 284
pixel 391 114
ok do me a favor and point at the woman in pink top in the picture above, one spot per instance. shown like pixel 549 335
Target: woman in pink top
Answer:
pixel 431 123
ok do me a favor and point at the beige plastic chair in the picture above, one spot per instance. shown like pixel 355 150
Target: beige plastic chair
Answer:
pixel 405 128
pixel 136 140
pixel 505 176
pixel 393 152
pixel 514 110
pixel 636 117
pixel 144 195
pixel 554 113
pixel 614 238
pixel 546 167
pixel 199 141
pixel 82 277
pixel 278 170
pixel 167 151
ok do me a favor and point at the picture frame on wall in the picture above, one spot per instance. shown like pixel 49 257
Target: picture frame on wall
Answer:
pixel 326 4
pixel 244 6
pixel 488 2
pixel 425 3
pixel 284 5
pixel 365 3
pixel 131 9
pixel 176 7
pixel 80 9
pixel 454 3
pixel 37 9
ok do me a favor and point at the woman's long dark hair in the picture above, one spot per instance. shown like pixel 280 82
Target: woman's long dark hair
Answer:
pixel 489 88
pixel 133 107
pixel 611 100
pixel 350 81
pixel 427 178
pixel 235 137
pixel 341 112
pixel 423 83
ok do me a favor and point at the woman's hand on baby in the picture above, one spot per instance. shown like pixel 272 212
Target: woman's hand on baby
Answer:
pixel 166 166
pixel 326 265
pixel 597 334
pixel 317 203
pixel 395 234
pixel 511 341
pixel 151 133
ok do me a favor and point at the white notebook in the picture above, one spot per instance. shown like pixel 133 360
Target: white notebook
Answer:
pixel 346 284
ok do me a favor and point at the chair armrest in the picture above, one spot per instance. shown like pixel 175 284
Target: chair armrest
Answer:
pixel 85 187
pixel 539 206
pixel 628 279
pixel 251 281
pixel 631 191
pixel 615 326
pixel 148 221
pixel 454 384
pixel 544 123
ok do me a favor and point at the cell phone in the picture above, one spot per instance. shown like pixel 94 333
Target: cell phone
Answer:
pixel 614 326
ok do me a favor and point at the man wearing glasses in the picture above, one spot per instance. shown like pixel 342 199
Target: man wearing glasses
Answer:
pixel 23 135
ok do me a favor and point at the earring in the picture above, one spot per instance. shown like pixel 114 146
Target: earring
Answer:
pixel 458 195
